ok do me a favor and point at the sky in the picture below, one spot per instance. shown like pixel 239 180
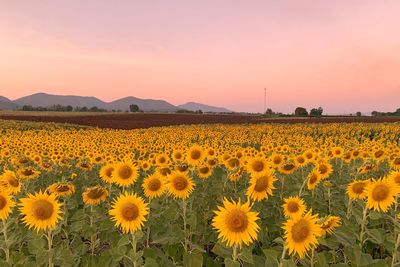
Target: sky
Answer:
pixel 341 55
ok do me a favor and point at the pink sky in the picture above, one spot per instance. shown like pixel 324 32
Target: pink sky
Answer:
pixel 341 55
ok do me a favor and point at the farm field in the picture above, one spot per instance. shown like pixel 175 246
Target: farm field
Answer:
pixel 265 194
pixel 147 120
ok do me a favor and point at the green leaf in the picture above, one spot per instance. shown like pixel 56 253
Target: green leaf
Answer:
pixel 194 259
pixel 221 251
pixel 150 262
pixel 246 255
pixel 376 235
pixel 230 263
pixel 123 241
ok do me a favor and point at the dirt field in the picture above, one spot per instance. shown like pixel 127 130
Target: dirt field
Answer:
pixel 146 120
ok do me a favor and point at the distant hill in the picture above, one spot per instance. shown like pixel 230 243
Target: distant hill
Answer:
pixel 6 104
pixel 144 104
pixel 193 106
pixel 47 100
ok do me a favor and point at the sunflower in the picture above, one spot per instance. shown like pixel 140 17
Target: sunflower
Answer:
pixel 195 155
pixel 180 185
pixel 395 163
pixel 94 195
pixel 288 167
pixel 6 205
pixel 313 180
pixel 10 183
pixel 40 211
pixel 293 207
pixel 381 194
pixel 236 223
pixel 125 174
pixel 177 155
pixel 301 233
pixel 356 189
pixel 325 169
pixel 257 165
pixel 153 186
pixel 329 224
pixel 61 189
pixel 276 160
pixel 395 177
pixel 261 186
pixel 106 173
pixel 204 171
pixel 28 173
pixel 129 212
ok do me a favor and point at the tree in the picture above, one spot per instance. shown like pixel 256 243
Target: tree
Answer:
pixel 316 112
pixel 134 108
pixel 375 113
pixel 358 114
pixel 301 112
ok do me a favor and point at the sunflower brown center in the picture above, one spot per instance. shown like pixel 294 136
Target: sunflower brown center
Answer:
pixel 109 172
pixel 293 207
pixel 313 179
pixel 42 209
pixel 195 154
pixel 234 162
pixel 237 221
pixel 130 212
pixel 3 202
pixel 277 160
pixel 27 172
pixel 204 170
pixel 396 161
pixel 180 183
pixel 380 192
pixel 162 160
pixel 154 184
pixel 379 153
pixel 62 188
pixel 165 171
pixel 300 231
pixel 182 167
pixel 358 188
pixel 13 181
pixel 95 193
pixel 323 169
pixel 125 172
pixel 397 179
pixel 288 166
pixel 258 166
pixel 261 184
pixel 301 160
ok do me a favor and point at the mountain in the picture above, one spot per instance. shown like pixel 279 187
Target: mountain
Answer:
pixel 46 100
pixel 193 106
pixel 6 104
pixel 147 105
pixel 144 104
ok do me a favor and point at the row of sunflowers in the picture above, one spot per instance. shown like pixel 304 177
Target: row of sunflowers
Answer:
pixel 210 195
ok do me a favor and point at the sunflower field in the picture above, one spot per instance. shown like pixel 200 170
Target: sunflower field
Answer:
pixel 206 195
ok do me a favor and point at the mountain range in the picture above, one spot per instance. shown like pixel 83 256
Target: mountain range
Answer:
pixel 147 105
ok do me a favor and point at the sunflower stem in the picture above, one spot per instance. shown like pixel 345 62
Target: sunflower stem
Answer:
pixel 363 224
pixel 148 229
pixel 6 250
pixel 312 258
pixel 184 224
pixel 396 247
pixel 349 206
pixel 282 256
pixel 234 253
pixel 49 237
pixel 93 236
pixel 134 260
pixel 302 187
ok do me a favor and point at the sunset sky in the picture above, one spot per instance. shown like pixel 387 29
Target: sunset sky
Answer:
pixel 341 55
